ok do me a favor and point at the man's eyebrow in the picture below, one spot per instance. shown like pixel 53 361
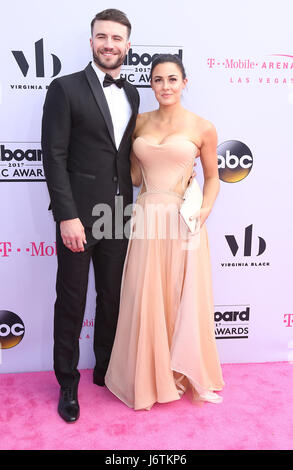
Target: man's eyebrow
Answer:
pixel 114 35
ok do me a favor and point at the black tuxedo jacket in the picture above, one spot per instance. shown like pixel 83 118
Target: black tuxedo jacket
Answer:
pixel 81 163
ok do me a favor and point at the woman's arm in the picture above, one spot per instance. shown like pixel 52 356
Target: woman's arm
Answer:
pixel 135 170
pixel 209 161
pixel 136 175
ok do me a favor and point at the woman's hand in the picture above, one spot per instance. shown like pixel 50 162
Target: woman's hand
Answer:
pixel 202 214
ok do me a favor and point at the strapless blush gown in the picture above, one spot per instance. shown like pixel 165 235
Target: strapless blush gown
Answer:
pixel 165 341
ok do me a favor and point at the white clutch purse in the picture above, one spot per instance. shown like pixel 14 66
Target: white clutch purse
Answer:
pixel 192 202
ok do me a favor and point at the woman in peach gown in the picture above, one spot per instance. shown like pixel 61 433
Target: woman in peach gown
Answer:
pixel 165 340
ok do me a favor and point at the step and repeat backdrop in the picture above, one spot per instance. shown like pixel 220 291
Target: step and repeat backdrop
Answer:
pixel 239 63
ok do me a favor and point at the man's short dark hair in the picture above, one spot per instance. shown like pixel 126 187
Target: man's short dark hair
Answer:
pixel 111 14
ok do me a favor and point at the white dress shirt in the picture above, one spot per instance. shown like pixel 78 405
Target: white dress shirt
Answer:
pixel 119 105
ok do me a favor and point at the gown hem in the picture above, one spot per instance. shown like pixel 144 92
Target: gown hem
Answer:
pixel 198 388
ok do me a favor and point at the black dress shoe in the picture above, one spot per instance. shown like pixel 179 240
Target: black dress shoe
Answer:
pixel 98 379
pixel 68 407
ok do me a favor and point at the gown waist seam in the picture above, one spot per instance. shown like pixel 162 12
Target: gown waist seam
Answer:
pixel 173 193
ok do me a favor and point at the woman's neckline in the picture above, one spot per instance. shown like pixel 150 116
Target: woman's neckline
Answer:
pixel 181 137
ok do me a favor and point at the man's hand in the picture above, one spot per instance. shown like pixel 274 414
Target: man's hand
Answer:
pixel 193 175
pixel 73 234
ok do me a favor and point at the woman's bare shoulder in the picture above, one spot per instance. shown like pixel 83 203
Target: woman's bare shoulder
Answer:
pixel 143 117
pixel 202 123
pixel 141 121
pixel 203 126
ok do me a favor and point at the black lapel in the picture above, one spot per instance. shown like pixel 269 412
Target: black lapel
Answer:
pixel 130 96
pixel 98 93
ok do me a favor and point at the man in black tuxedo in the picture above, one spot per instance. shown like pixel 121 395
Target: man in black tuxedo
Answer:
pixel 87 125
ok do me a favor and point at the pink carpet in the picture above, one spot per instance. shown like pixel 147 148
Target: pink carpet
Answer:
pixel 256 414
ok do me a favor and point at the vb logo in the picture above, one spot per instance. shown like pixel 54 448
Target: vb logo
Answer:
pixel 39 61
pixel 233 245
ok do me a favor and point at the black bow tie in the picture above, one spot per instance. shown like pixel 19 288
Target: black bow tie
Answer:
pixel 108 80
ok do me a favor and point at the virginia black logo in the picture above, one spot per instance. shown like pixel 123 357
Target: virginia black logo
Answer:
pixel 11 329
pixel 39 61
pixel 234 247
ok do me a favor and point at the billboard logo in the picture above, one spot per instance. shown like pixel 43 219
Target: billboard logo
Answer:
pixel 11 329
pixel 21 161
pixel 19 155
pixel 235 161
pixel 137 64
pixel 145 57
pixel 39 61
pixel 232 321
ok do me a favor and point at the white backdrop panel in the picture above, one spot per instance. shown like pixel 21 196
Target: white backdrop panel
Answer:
pixel 249 104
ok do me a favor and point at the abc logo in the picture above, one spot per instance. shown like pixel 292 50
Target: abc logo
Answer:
pixel 234 161
pixel 11 329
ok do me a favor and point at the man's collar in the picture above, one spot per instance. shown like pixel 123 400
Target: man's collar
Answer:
pixel 100 73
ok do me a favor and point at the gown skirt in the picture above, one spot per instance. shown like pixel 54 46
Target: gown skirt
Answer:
pixel 165 341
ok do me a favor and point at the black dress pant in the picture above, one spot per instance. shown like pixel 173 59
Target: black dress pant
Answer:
pixel 108 257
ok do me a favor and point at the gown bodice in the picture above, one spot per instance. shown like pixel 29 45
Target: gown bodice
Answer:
pixel 166 166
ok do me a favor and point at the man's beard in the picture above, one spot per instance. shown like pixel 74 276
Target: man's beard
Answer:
pixel 116 65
